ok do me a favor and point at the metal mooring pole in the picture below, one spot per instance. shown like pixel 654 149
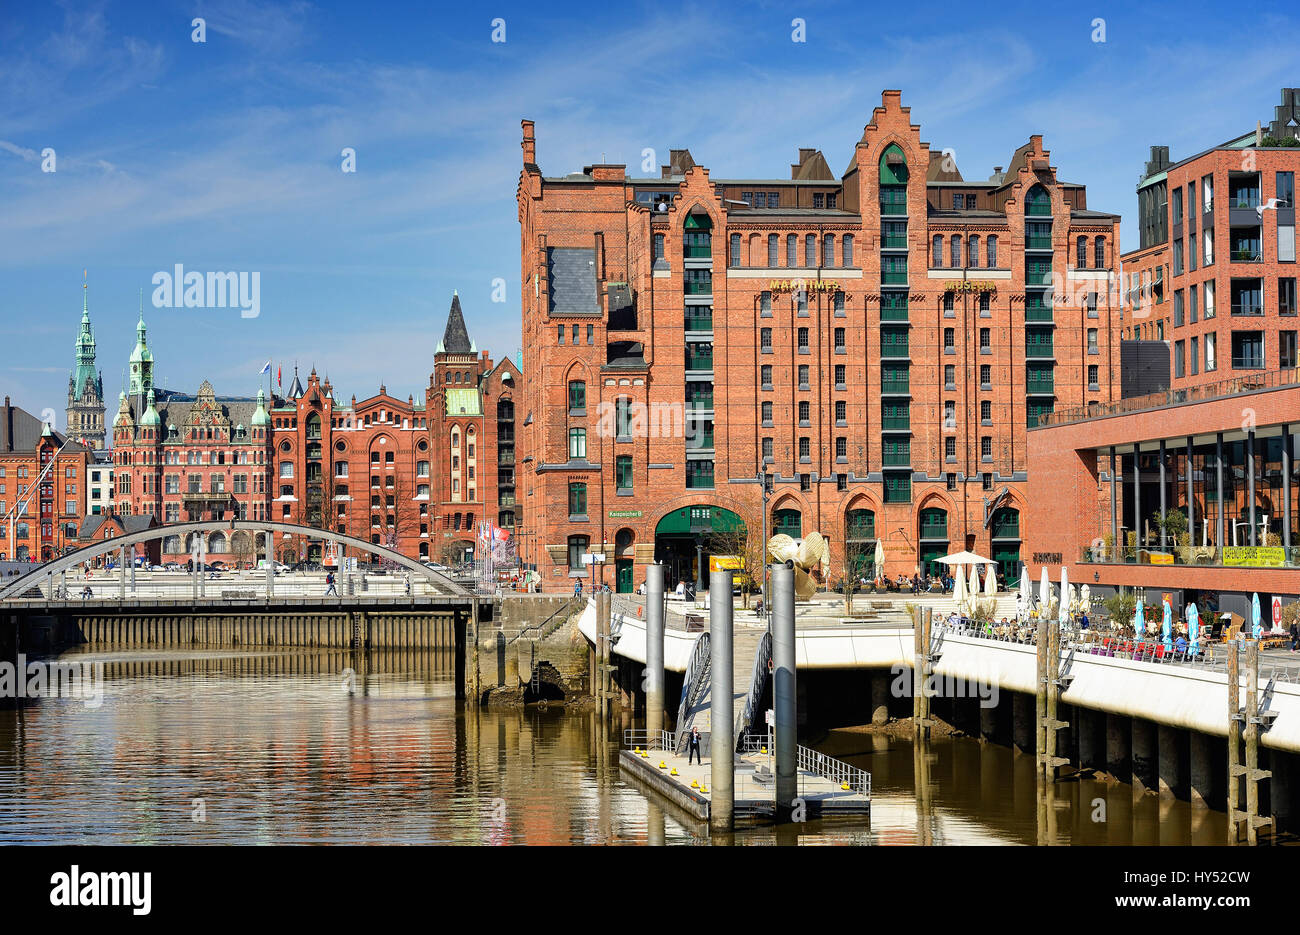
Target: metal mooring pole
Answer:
pixel 722 743
pixel 654 653
pixel 784 689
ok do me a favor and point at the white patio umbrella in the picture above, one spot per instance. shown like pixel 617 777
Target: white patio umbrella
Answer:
pixel 880 557
pixel 1026 598
pixel 1044 593
pixel 965 558
pixel 958 590
pixel 990 582
pixel 1063 612
pixel 1085 600
pixel 974 584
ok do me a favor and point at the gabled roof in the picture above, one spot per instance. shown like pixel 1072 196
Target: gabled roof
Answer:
pixel 20 431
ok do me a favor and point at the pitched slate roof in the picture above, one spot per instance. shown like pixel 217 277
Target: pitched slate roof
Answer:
pixel 20 431
pixel 455 340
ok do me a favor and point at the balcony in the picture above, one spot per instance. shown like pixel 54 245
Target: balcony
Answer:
pixel 935 530
pixel 1249 362
pixel 699 360
pixel 698 322
pixel 1245 254
pixel 1248 309
pixel 1040 349
pixel 893 201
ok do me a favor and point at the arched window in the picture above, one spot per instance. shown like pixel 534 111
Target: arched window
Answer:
pixel 773 249
pixel 789 522
pixel 936 252
pixel 1099 253
pixel 1081 253
pixel 954 245
pixel 860 525
pixel 1038 202
pixel 991 244
pixel 973 250
pixel 846 250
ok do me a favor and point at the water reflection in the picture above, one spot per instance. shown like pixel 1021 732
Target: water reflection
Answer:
pixel 334 747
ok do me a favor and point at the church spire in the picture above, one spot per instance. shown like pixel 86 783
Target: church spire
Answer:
pixel 455 340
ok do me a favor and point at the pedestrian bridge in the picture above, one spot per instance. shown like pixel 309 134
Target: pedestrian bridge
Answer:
pixel 1170 692
pixel 58 579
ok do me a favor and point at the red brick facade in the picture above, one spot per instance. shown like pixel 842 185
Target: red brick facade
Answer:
pixel 50 522
pixel 670 320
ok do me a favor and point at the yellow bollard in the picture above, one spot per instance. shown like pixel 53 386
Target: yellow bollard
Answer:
pixel 844 786
pixel 695 783
pixel 704 789
pixel 663 765
pixel 763 751
pixel 673 771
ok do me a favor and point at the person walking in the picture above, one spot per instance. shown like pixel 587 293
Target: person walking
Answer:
pixel 329 581
pixel 1295 635
pixel 693 747
pixel 577 587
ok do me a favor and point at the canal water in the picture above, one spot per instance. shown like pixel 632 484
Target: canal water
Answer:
pixel 314 747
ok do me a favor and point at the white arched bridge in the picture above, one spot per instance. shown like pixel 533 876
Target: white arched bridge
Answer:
pixel 51 578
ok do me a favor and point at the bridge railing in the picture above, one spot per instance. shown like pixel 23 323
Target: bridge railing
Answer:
pixel 1211 657
pixel 693 685
pixel 640 738
pixel 808 760
pixel 757 683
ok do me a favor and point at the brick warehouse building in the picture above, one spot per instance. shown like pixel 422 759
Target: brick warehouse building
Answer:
pixel 1214 273
pixel 49 523
pixel 877 343
pixel 382 469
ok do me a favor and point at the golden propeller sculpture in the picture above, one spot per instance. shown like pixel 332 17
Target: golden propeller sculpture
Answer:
pixel 810 554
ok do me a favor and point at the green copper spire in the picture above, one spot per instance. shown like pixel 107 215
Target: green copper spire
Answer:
pixel 150 416
pixel 85 349
pixel 141 362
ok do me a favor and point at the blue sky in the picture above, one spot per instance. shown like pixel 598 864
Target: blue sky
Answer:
pixel 226 155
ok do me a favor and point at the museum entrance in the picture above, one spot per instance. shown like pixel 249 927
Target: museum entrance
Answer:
pixel 687 538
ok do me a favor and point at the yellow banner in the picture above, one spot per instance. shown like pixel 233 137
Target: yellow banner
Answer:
pixel 1256 556
pixel 1161 558
pixel 725 562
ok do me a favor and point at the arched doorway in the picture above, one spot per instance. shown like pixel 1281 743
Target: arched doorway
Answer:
pixel 1004 532
pixel 932 535
pixel 687 538
pixel 623 560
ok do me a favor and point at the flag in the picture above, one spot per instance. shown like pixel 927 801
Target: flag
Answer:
pixel 278 381
pixel 267 368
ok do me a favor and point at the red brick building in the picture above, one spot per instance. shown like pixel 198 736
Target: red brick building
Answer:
pixel 412 476
pixel 877 343
pixel 44 524
pixel 1215 274
pixel 1225 460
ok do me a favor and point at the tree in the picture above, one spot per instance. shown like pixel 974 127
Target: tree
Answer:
pixel 1173 524
pixel 858 555
pixel 738 542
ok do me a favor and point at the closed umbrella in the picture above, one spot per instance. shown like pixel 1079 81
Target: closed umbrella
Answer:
pixel 1026 598
pixel 1085 600
pixel 1167 623
pixel 958 589
pixel 880 557
pixel 974 585
pixel 1193 629
pixel 1044 594
pixel 1256 620
pixel 1139 624
pixel 1063 612
pixel 990 582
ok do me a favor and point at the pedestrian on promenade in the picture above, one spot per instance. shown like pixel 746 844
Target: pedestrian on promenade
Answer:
pixel 693 747
pixel 577 587
pixel 329 580
pixel 1295 635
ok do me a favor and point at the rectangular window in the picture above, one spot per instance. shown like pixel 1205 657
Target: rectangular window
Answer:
pixel 765 338
pixel 1194 355
pixel 1178 308
pixel 560 331
pixel 791 251
pixel 577 396
pixel 986 411
pixel 986 448
pixel 986 375
pixel 1092 341
pixel 803 376
pixel 767 449
pixel 949 414
pixel 991 245
pixel 1286 349
pixel 949 339
pixel 765 376
pixel 1285 189
pixel 840 371
pixel 577 500
pixel 804 412
pixel 841 410
pixel 591 334
pixel 950 448
pixel 1286 304
pixel 578 546
pixel 1178 359
pixel 1209 299
pixel 577 444
pixel 766 411
pixel 846 250
pixel 839 339
pixel 828 249
pixel 1210 362
pixel 986 339
pixel 1192 292
pixel 949 376
pixel 623 472
pixel 810 250
pixel 1093 370
pixel 803 340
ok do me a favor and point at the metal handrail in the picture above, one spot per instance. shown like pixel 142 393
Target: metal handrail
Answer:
pixel 811 761
pixel 649 740
pixel 697 671
pixel 541 627
pixel 757 682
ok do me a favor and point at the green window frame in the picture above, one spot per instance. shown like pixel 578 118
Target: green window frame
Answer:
pixel 577 396
pixel 789 522
pixel 623 472
pixel 577 499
